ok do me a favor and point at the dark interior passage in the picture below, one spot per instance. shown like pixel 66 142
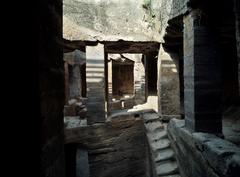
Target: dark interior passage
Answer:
pixel 151 61
pixel 123 81
pixel 70 159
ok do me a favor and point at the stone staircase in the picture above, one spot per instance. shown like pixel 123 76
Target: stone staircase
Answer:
pixel 162 153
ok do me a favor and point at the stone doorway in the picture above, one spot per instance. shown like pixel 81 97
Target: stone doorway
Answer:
pixel 123 82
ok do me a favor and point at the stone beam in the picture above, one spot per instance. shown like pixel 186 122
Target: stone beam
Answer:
pixel 131 47
pixel 113 46
pixel 69 46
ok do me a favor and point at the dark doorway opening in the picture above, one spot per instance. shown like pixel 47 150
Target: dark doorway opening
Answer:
pixel 123 78
pixel 152 73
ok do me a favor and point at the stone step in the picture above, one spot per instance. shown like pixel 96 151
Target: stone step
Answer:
pixel 150 116
pixel 167 168
pixel 151 120
pixel 165 154
pixel 160 144
pixel 165 126
pixel 157 135
pixel 152 126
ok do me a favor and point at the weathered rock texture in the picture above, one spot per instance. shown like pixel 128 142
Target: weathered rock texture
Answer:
pixel 164 10
pixel 128 20
pixel 108 20
pixel 174 8
pixel 51 90
pixel 202 154
pixel 118 148
pixel 120 19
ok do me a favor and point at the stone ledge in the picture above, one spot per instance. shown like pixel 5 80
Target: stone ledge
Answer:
pixel 203 154
pixel 116 148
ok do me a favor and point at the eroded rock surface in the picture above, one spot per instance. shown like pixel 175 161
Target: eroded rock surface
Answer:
pixel 203 154
pixel 117 148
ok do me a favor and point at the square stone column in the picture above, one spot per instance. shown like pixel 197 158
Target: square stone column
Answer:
pixel 169 85
pixel 202 76
pixel 237 15
pixel 73 81
pixel 95 78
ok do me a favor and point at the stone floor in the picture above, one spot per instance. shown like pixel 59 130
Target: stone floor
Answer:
pixel 152 103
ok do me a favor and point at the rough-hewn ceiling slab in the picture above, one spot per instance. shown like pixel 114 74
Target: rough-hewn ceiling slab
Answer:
pixel 109 20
